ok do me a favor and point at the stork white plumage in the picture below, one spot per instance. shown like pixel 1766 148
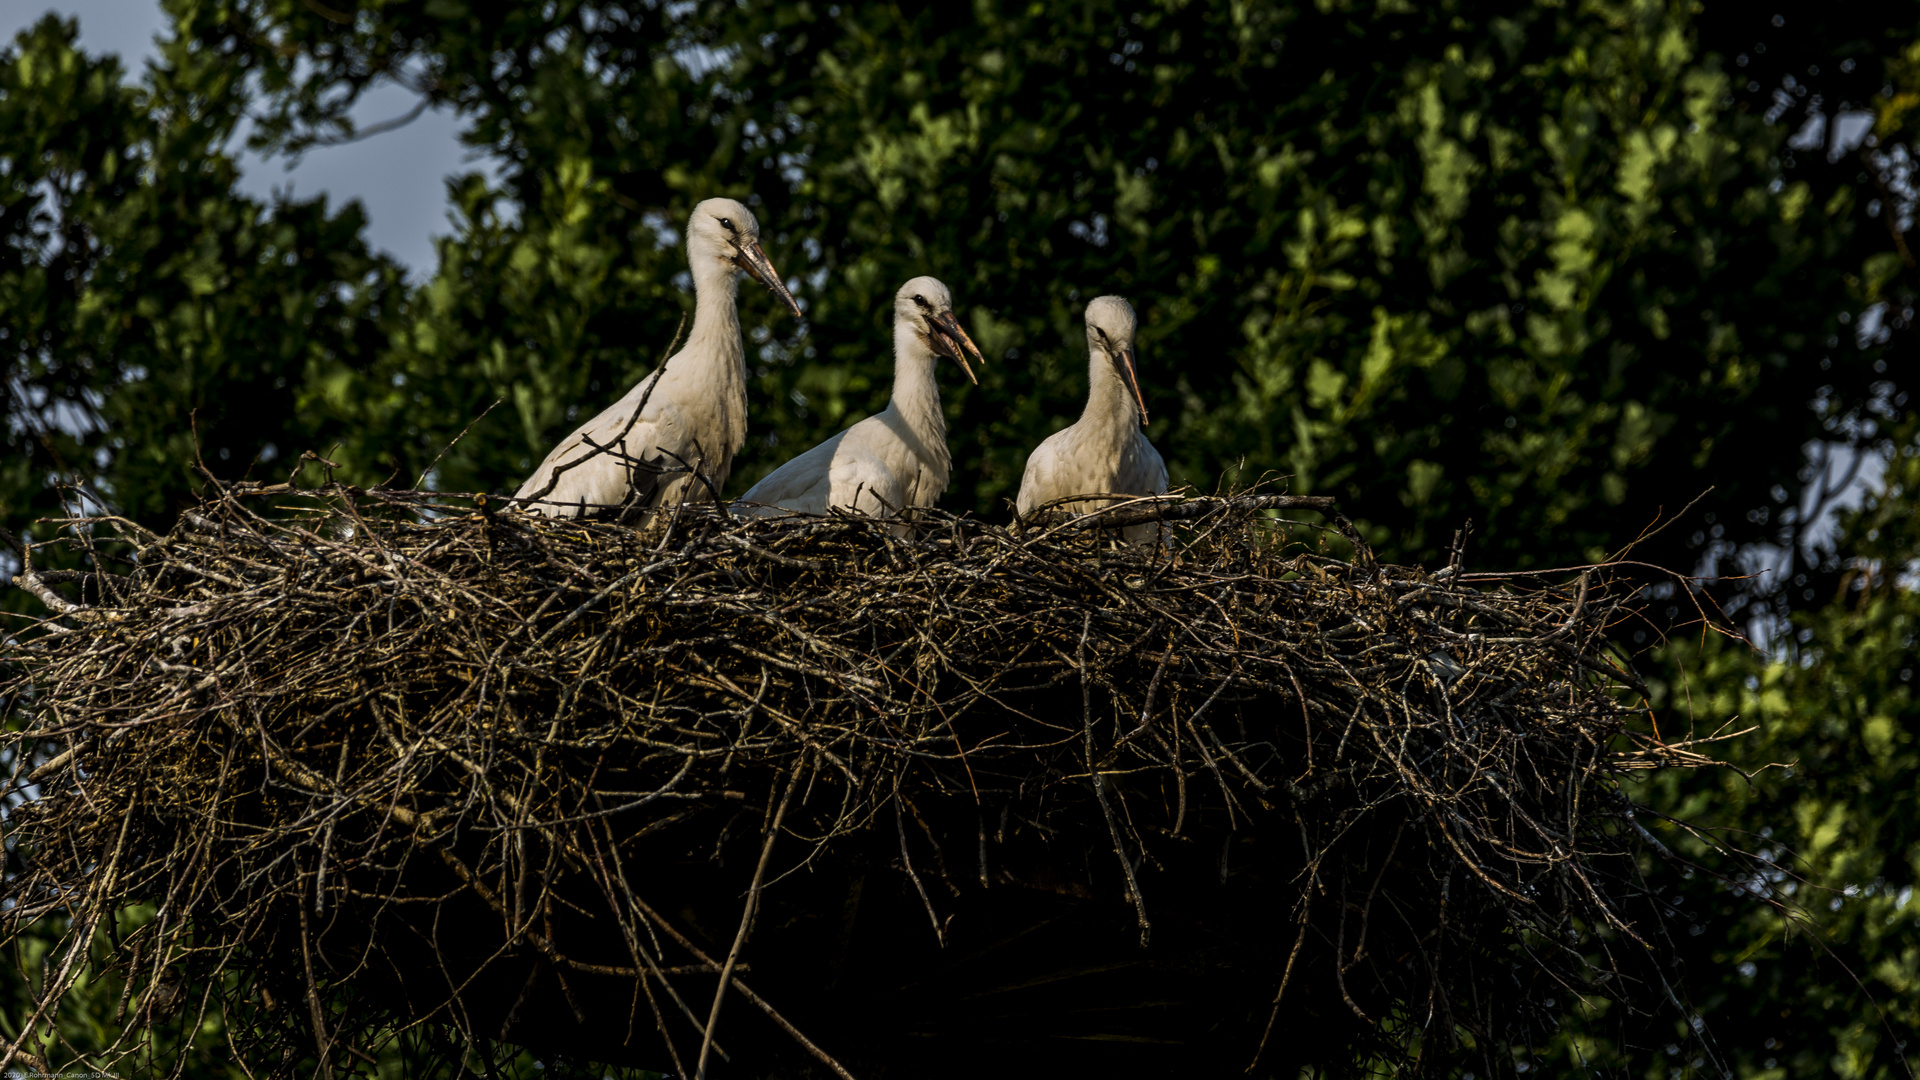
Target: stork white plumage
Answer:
pixel 1105 451
pixel 895 459
pixel 695 414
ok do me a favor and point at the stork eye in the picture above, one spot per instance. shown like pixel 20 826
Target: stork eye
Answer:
pixel 727 224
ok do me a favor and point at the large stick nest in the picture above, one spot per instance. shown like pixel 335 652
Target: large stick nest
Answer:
pixel 344 769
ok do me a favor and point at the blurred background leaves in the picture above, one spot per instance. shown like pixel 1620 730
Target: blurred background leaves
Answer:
pixel 1555 267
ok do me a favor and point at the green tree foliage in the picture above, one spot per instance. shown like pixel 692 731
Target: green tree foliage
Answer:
pixel 90 1021
pixel 1828 985
pixel 142 298
pixel 1522 263
pixel 184 1041
pixel 1553 266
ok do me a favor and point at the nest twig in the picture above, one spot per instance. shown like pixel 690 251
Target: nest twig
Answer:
pixel 360 763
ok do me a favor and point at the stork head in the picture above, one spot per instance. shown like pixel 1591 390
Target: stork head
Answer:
pixel 1110 325
pixel 925 305
pixel 724 230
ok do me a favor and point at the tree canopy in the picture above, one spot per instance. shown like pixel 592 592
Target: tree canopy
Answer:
pixel 1560 268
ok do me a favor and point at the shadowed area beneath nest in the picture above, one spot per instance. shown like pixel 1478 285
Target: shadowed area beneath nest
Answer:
pixel 969 799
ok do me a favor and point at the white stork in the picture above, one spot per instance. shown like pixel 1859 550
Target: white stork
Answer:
pixel 897 458
pixel 1105 451
pixel 695 414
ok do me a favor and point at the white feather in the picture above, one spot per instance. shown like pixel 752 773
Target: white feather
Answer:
pixel 1106 451
pixel 890 462
pixel 697 412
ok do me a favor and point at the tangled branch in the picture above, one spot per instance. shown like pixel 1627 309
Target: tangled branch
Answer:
pixel 359 763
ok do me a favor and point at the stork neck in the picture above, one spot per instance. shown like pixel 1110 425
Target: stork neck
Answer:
pixel 715 337
pixel 916 391
pixel 1110 404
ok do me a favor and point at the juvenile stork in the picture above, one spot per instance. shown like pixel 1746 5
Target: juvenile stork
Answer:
pixel 897 458
pixel 695 414
pixel 1105 451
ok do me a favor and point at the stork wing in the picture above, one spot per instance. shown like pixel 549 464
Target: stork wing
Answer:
pixel 867 481
pixel 802 484
pixel 1041 482
pixel 611 460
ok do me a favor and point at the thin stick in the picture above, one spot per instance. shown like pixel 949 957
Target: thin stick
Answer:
pixel 746 921
pixel 456 442
pixel 746 992
pixel 1100 785
pixel 906 860
pixel 322 1041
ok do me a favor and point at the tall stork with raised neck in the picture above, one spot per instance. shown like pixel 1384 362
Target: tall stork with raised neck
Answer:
pixel 897 458
pixel 1105 451
pixel 690 415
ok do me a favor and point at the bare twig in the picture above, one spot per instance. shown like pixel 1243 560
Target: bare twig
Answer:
pixel 746 919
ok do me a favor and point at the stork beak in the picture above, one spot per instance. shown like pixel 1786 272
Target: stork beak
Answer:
pixel 1123 360
pixel 947 332
pixel 753 260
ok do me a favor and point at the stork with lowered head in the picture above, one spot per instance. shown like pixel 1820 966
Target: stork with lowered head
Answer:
pixel 690 416
pixel 1105 452
pixel 896 459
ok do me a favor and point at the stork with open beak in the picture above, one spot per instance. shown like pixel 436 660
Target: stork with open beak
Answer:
pixel 896 459
pixel 695 404
pixel 1106 451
